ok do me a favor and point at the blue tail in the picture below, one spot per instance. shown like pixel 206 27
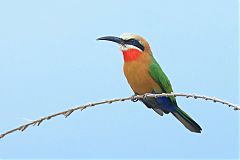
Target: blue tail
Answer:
pixel 186 120
pixel 164 105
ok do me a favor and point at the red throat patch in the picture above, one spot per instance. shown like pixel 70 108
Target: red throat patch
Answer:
pixel 131 54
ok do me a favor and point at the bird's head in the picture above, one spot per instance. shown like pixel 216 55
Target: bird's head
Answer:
pixel 131 45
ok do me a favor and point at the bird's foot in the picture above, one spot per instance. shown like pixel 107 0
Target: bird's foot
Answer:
pixel 134 99
pixel 145 96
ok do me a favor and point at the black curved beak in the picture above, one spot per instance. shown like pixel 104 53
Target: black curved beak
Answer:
pixel 113 39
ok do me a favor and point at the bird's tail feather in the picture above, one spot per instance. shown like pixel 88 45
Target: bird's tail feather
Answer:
pixel 186 120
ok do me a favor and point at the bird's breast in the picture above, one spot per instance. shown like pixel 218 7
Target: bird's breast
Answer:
pixel 138 77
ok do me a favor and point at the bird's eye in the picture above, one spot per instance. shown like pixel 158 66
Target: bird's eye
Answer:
pixel 136 43
pixel 133 41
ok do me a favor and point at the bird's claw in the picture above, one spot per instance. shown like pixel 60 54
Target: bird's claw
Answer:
pixel 134 99
pixel 145 96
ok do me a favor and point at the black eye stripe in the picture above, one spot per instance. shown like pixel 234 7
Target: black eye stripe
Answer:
pixel 135 43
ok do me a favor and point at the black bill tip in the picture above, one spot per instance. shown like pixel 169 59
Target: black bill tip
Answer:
pixel 112 39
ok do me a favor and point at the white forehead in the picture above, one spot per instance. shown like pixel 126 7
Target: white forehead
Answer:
pixel 126 36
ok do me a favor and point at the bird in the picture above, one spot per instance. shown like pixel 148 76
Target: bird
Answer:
pixel 144 75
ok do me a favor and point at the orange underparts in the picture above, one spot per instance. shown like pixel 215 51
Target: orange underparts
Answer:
pixel 131 54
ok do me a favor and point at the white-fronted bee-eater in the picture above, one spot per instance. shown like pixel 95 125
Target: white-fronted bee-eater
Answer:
pixel 145 75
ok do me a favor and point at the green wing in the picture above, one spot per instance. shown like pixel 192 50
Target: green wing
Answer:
pixel 160 77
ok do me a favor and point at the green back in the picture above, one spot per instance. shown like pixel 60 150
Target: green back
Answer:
pixel 160 77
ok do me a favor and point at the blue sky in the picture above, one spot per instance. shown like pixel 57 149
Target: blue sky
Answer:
pixel 50 61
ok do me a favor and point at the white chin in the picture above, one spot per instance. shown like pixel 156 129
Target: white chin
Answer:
pixel 126 47
pixel 123 48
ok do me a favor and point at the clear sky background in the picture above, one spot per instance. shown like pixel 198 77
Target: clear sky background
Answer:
pixel 50 61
